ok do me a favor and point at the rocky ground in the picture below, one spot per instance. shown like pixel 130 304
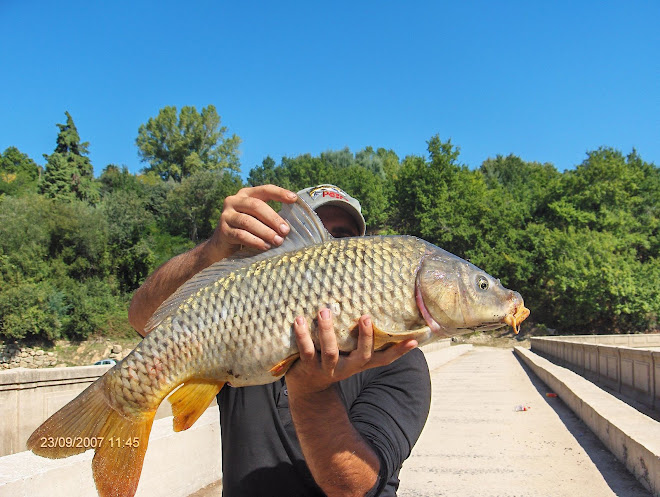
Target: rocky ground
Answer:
pixel 63 353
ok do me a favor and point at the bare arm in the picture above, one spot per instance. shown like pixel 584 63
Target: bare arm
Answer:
pixel 341 461
pixel 246 220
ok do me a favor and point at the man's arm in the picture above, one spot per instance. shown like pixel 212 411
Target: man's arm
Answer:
pixel 340 460
pixel 246 220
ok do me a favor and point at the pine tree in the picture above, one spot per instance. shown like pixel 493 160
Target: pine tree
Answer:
pixel 69 173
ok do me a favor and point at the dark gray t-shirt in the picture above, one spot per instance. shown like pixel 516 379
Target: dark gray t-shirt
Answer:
pixel 261 455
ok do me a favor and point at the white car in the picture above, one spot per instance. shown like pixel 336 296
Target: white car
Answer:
pixel 103 362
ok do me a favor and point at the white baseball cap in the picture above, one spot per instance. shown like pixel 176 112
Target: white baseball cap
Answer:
pixel 316 196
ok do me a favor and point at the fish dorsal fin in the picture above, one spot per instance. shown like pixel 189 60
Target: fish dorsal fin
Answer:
pixel 305 229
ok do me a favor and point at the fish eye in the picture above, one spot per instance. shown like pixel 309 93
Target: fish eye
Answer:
pixel 483 283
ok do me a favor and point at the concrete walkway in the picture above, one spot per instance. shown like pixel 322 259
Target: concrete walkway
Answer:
pixel 476 444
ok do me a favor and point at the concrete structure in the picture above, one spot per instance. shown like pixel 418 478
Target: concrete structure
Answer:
pixel 495 450
pixel 475 443
pixel 30 396
pixel 626 363
pixel 176 464
pixel 630 435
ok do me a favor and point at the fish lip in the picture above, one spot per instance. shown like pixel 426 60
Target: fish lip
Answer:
pixel 517 317
pixel 435 327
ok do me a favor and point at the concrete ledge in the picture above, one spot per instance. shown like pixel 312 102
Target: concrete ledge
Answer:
pixel 630 435
pixel 29 396
pixel 442 355
pixel 618 362
pixel 176 465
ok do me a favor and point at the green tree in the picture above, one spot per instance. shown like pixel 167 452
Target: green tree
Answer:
pixel 176 146
pixel 529 184
pixel 129 237
pixel 441 200
pixel 115 178
pixel 615 193
pixel 18 172
pixel 193 207
pixel 360 175
pixel 55 271
pixel 69 173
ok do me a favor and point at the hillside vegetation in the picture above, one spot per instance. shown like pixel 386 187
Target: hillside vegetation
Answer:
pixel 582 246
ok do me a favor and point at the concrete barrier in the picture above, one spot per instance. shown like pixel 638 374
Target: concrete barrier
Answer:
pixel 30 396
pixel 630 435
pixel 624 363
pixel 176 465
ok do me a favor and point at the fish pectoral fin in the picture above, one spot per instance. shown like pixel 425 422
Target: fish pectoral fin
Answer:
pixel 191 400
pixel 283 366
pixel 385 339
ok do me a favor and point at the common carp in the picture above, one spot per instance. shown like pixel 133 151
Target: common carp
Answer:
pixel 232 322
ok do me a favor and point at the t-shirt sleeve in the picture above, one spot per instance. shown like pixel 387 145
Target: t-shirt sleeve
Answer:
pixel 391 410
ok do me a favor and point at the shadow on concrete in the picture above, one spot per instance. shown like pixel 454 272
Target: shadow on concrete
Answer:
pixel 615 474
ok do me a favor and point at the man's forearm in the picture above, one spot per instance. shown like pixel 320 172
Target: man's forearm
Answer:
pixel 165 280
pixel 341 461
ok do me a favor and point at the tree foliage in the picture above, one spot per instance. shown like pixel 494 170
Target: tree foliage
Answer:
pixel 178 145
pixel 582 246
pixel 69 173
pixel 18 173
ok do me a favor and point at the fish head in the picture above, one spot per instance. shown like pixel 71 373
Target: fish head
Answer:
pixel 455 297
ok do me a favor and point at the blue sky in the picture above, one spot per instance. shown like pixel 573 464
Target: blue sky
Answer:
pixel 546 81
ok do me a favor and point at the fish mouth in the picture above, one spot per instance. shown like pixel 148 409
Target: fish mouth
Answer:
pixel 514 320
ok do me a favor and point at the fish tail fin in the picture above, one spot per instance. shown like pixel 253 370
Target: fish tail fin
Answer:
pixel 88 421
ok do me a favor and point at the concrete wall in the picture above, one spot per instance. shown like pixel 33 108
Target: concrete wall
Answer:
pixel 176 465
pixel 636 340
pixel 30 396
pixel 630 435
pixel 611 360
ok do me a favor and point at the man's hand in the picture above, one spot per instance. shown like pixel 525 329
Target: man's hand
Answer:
pixel 246 220
pixel 315 371
pixel 249 221
pixel 339 458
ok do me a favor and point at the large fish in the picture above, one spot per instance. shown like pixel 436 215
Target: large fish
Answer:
pixel 233 323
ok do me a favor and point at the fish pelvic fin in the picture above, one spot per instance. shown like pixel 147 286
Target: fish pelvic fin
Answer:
pixel 191 400
pixel 88 421
pixel 385 339
pixel 283 366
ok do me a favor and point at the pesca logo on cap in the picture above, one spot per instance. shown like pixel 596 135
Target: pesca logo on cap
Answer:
pixel 328 191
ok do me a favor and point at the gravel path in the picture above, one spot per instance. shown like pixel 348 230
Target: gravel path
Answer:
pixel 476 444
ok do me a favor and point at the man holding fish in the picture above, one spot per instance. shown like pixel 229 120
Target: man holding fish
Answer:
pixel 341 424
pixel 221 317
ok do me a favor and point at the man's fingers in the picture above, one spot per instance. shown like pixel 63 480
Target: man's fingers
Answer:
pixel 245 228
pixel 328 340
pixel 271 192
pixel 365 345
pixel 247 210
pixel 241 237
pixel 303 339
